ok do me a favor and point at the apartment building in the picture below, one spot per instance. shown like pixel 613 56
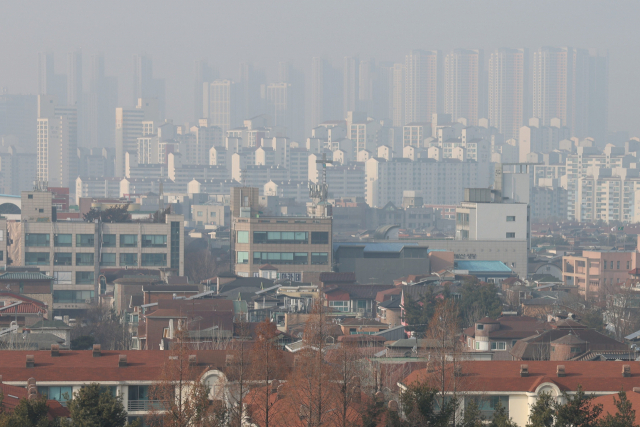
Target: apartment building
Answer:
pixel 294 245
pixel 73 252
pixel 594 270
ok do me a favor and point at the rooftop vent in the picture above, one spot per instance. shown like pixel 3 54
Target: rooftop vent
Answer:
pixel 626 370
pixel 122 360
pixel 96 350
pixel 31 361
pixel 193 360
pixel 55 350
pixel 561 372
pixel 524 370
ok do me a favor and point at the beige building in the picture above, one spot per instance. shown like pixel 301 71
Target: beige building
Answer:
pixel 73 252
pixel 210 214
pixel 291 244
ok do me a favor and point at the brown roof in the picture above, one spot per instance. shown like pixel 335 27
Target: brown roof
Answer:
pixel 12 395
pixel 362 322
pixel 608 405
pixel 568 339
pixel 529 348
pixel 512 327
pixel 504 376
pixel 337 277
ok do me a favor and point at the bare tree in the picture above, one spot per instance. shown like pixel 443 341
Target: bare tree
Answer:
pixel 237 372
pixel 179 398
pixel 202 265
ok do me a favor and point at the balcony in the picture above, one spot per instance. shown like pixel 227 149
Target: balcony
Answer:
pixel 144 405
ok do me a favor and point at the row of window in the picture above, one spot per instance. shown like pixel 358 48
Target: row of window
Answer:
pixel 87 259
pixel 295 258
pixel 284 237
pixel 72 296
pixel 88 240
pixel 604 264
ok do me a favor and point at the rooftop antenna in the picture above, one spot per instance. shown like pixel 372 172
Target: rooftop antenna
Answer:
pixel 324 162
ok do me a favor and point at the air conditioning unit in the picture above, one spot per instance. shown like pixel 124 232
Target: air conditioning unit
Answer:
pixel 361 310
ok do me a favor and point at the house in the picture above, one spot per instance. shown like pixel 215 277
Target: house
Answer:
pixel 22 309
pixel 352 299
pixel 32 284
pixel 517 386
pixel 485 271
pixel 570 340
pixel 498 336
pixel 362 326
pixel 54 327
pixel 125 373
pixel 12 395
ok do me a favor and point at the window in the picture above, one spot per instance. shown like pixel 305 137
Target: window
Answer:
pixel 212 214
pixel 511 219
pixel 62 278
pixel 36 258
pixel 154 240
pixel 480 326
pixel 295 258
pixel 199 213
pixel 319 258
pixel 488 404
pixel 84 240
pixel 339 305
pixel 611 265
pixel 319 238
pixel 85 259
pixel 62 258
pixel 32 239
pixel 511 235
pixel 513 342
pixel 242 257
pixel 156 260
pixel 498 346
pixel 63 240
pixel 477 345
pixel 60 394
pixel 30 196
pixel 575 350
pixel 128 240
pixel 108 240
pixel 618 265
pixel 129 260
pixel 242 237
pixel 628 265
pixel 175 244
pixel 138 392
pixel 291 237
pixel 108 260
pixel 84 277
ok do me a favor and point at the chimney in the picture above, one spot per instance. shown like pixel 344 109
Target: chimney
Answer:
pixel 524 370
pixel 304 412
pixel 31 381
pixel 393 406
pixel 356 394
pixel 193 360
pixel 122 361
pixel 281 392
pixel 274 386
pixel 626 370
pixel 96 350
pixel 31 361
pixel 561 372
pixel 32 391
pixel 55 350
pixel 228 361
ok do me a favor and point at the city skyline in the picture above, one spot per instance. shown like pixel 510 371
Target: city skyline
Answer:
pixel 391 44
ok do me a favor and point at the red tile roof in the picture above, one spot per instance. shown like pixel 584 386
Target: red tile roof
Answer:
pixel 504 376
pixel 609 407
pixel 12 395
pixel 22 308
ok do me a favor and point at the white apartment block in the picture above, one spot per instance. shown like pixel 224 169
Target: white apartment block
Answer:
pixel 129 128
pixel 462 91
pixel 99 187
pixel 422 82
pixel 608 194
pixel 221 99
pixel 414 134
pixel 508 80
pixel 56 143
pixel 438 182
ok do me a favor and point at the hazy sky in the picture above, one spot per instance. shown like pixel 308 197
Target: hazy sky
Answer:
pixel 265 32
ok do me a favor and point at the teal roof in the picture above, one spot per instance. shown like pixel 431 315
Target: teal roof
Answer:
pixel 483 266
pixel 24 275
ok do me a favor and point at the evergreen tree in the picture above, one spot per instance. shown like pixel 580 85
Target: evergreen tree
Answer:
pixel 95 406
pixel 421 406
pixel 501 417
pixel 578 411
pixel 472 416
pixel 625 417
pixel 29 413
pixel 542 412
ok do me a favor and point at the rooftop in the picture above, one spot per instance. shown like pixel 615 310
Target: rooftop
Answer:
pixel 483 266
